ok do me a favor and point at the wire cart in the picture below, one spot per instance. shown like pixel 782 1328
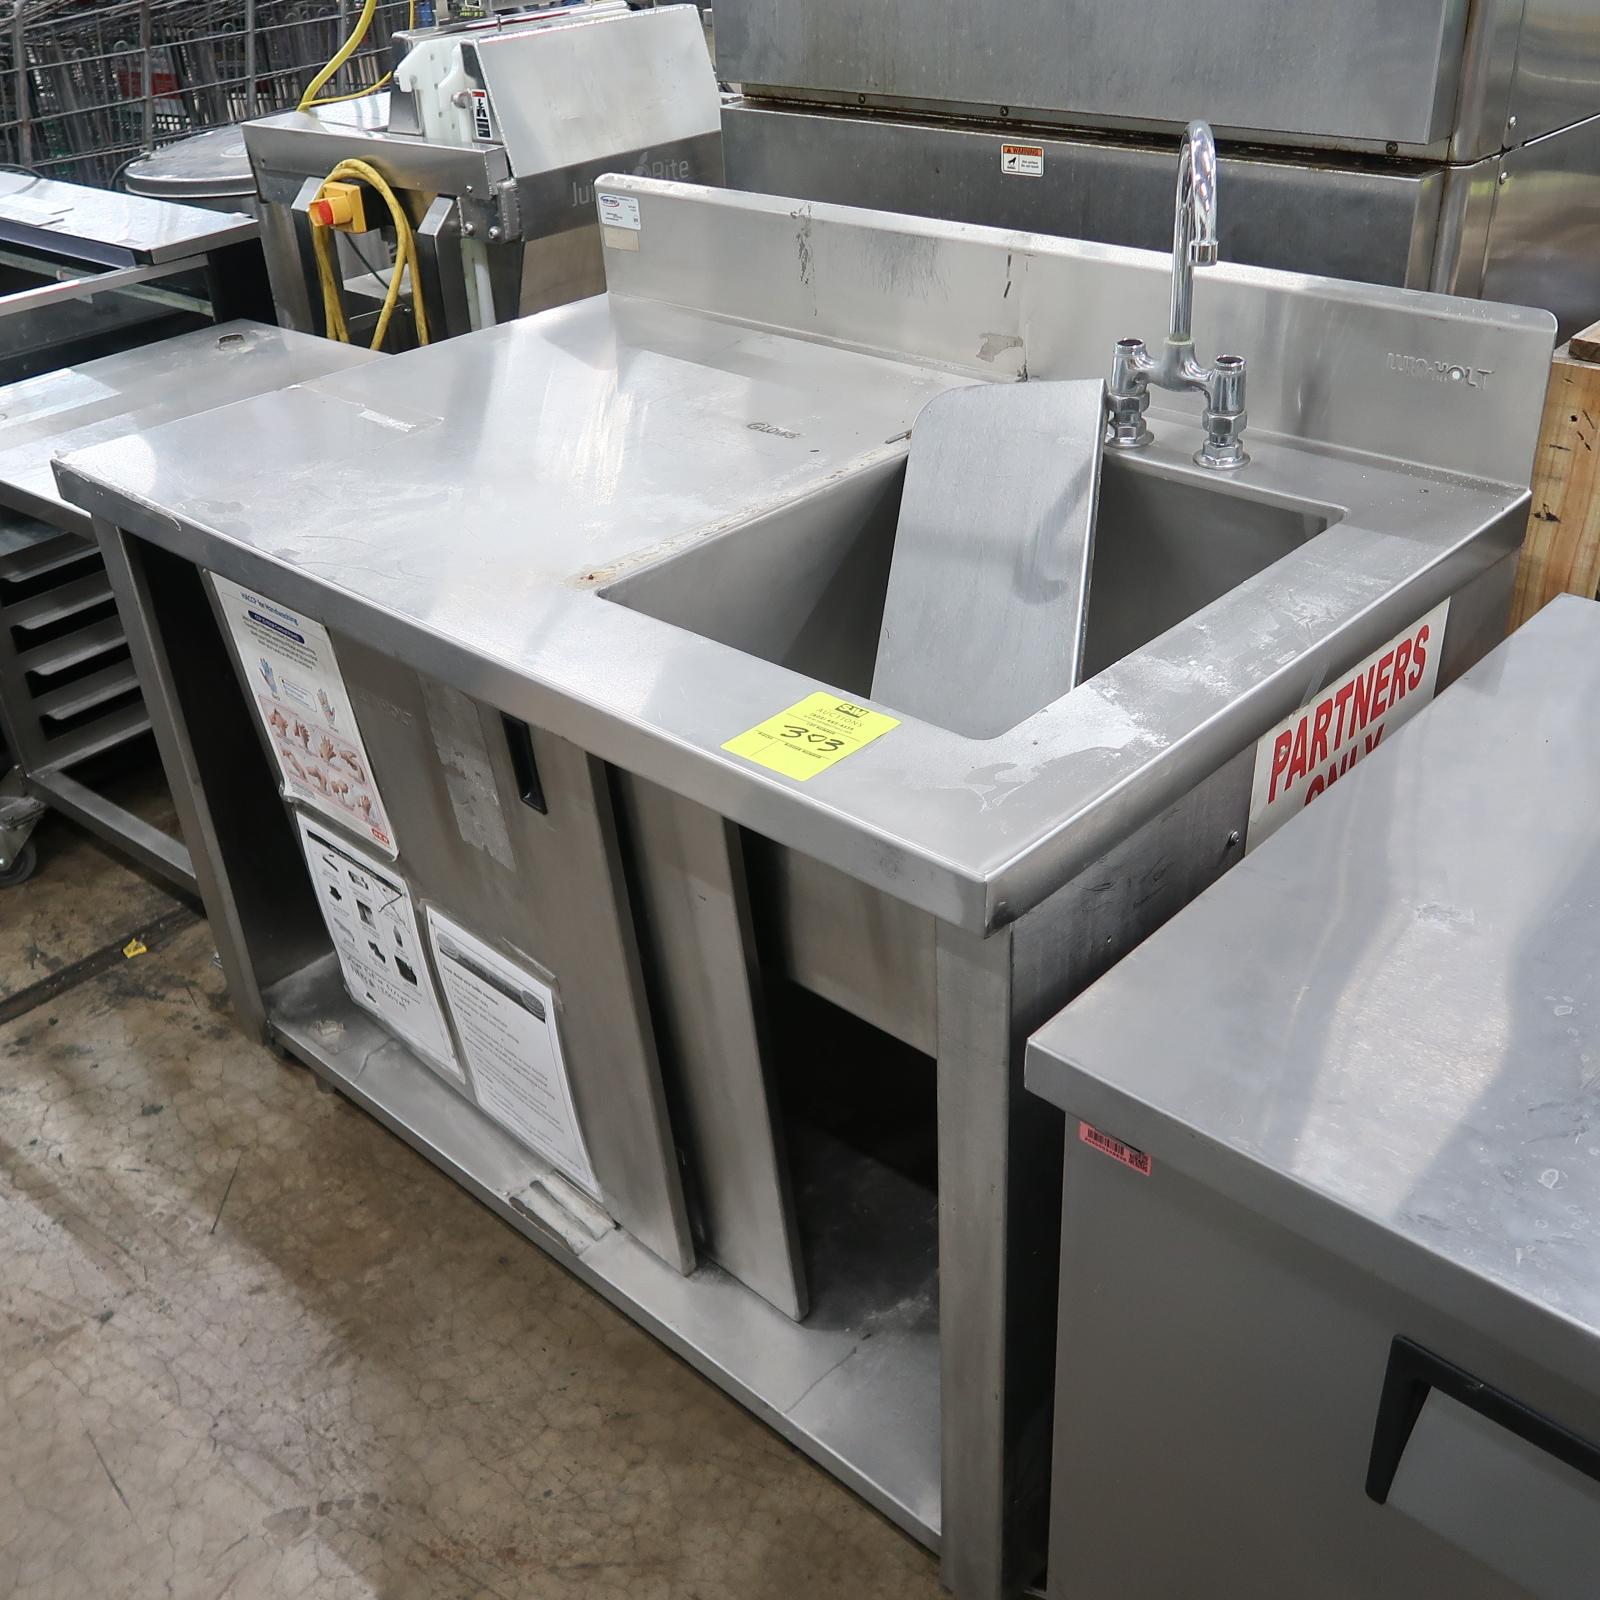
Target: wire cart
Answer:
pixel 86 88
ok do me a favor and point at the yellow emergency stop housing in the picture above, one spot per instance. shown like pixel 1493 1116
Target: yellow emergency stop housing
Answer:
pixel 339 205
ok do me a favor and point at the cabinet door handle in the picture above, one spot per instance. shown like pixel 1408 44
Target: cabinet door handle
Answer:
pixel 1413 1372
pixel 519 741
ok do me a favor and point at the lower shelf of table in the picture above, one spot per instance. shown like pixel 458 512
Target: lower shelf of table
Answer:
pixel 855 1386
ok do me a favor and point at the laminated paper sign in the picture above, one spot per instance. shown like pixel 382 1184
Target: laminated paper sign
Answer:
pixel 505 1018
pixel 369 913
pixel 1327 736
pixel 300 697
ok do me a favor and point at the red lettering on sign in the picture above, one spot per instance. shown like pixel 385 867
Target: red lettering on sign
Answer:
pixel 1380 687
pixel 1361 701
pixel 1320 719
pixel 1419 657
pixel 1346 689
pixel 1402 659
pixel 1280 761
pixel 1308 752
pixel 1299 762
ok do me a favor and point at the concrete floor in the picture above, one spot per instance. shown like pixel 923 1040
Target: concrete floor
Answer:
pixel 251 1345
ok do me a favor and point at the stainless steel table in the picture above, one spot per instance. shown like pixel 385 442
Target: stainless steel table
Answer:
pixel 112 229
pixel 85 272
pixel 1330 1262
pixel 69 692
pixel 570 565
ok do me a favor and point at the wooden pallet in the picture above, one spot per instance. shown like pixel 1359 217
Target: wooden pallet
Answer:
pixel 1561 554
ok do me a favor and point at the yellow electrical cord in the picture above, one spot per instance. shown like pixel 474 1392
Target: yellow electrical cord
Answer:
pixel 354 94
pixel 405 255
pixel 340 56
pixel 343 54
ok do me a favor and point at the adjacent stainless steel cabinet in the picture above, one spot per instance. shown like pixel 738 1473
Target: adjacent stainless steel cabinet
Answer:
pixel 1358 70
pixel 1353 222
pixel 1515 227
pixel 1430 77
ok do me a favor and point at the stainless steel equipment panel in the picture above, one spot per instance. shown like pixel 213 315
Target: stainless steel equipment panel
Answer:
pixel 540 881
pixel 1542 235
pixel 1375 224
pixel 1557 80
pixel 1517 228
pixel 1361 71
pixel 572 95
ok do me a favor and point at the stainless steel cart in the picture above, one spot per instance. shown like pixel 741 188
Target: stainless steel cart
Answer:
pixel 579 573
pixel 69 692
pixel 1330 1259
pixel 86 89
pixel 85 274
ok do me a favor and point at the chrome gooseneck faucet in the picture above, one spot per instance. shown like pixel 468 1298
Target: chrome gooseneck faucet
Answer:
pixel 1134 369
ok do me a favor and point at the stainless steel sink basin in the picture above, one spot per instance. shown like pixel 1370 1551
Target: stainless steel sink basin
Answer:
pixel 1168 544
pixel 803 586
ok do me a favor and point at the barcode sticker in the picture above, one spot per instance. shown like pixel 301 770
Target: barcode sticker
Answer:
pixel 1115 1148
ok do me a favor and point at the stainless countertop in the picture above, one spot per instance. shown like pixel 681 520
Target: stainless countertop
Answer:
pixel 503 478
pixel 465 508
pixel 112 229
pixel 137 389
pixel 1383 1026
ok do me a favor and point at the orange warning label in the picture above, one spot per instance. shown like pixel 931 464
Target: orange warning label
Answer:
pixel 1022 160
pixel 1115 1148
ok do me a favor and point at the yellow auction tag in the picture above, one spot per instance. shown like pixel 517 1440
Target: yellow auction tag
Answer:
pixel 811 735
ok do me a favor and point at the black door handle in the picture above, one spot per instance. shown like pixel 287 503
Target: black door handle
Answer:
pixel 1413 1372
pixel 519 741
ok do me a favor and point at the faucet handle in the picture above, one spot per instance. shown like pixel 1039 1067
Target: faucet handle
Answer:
pixel 1225 416
pixel 1128 396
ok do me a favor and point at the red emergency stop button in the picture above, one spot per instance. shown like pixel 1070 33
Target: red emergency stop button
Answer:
pixel 338 206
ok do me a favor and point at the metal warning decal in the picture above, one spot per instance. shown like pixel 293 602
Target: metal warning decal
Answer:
pixel 1022 160
pixel 482 128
